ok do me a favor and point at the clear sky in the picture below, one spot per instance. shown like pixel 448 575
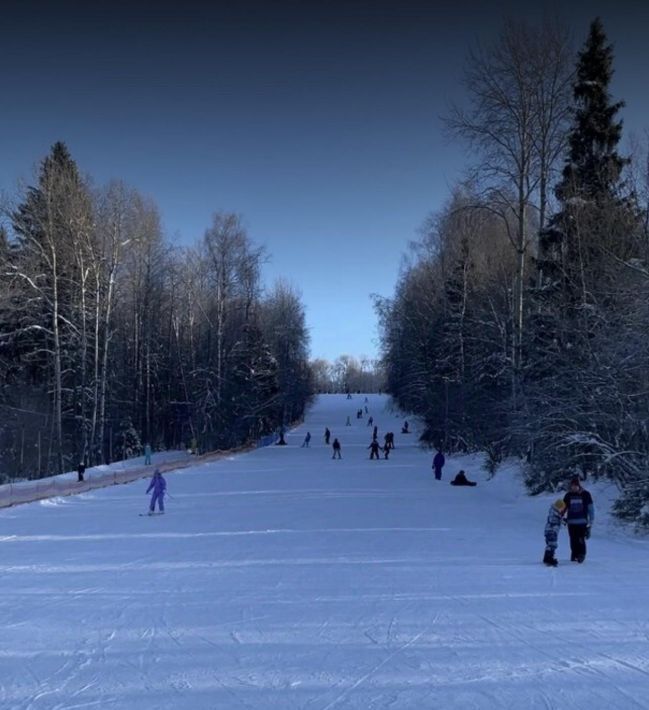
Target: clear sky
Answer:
pixel 319 123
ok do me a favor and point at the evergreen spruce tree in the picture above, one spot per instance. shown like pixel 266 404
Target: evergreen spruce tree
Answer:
pixel 581 255
pixel 593 167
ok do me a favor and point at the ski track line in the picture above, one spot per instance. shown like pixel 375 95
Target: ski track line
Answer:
pixel 378 666
pixel 217 533
pixel 581 666
pixel 363 678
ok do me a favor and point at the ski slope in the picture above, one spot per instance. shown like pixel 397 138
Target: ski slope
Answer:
pixel 282 579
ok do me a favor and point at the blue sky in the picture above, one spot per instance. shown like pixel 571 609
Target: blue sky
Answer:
pixel 318 123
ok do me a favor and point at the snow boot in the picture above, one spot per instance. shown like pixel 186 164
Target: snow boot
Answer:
pixel 549 559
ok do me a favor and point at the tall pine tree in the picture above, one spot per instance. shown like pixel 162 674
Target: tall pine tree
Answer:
pixel 581 262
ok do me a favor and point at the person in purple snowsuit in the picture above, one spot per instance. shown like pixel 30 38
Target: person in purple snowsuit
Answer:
pixel 159 486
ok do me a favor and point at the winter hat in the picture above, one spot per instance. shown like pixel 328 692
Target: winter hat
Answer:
pixel 574 481
pixel 559 504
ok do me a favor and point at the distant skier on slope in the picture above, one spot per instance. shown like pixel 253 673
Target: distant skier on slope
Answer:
pixel 159 487
pixel 327 435
pixel 374 449
pixel 438 464
pixel 552 527
pixel 307 440
pixel 580 514
pixel 336 448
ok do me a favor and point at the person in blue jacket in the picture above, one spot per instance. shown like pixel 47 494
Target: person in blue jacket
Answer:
pixel 438 464
pixel 158 485
pixel 580 515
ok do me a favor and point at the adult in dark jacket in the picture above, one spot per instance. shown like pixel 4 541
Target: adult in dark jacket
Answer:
pixel 374 449
pixel 327 435
pixel 336 448
pixel 580 514
pixel 462 480
pixel 438 464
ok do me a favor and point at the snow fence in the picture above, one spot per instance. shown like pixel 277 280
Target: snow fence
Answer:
pixel 68 484
pixel 97 477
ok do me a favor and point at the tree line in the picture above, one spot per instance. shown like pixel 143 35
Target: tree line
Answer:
pixel 518 326
pixel 112 337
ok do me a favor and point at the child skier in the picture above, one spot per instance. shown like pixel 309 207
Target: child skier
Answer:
pixel 552 526
pixel 159 486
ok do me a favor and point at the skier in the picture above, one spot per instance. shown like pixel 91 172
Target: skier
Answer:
pixel 580 514
pixel 370 421
pixel 159 486
pixel 552 526
pixel 386 452
pixel 375 433
pixel 336 448
pixel 348 422
pixel 389 439
pixel 81 469
pixel 438 464
pixel 462 480
pixel 327 435
pixel 147 454
pixel 374 446
pixel 404 428
pixel 307 439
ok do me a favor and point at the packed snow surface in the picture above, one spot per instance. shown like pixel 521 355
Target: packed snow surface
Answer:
pixel 284 579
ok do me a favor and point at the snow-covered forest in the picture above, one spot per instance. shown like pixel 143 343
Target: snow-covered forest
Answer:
pixel 112 337
pixel 519 324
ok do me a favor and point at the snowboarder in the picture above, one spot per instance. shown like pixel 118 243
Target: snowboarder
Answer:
pixel 336 448
pixel 552 527
pixel 438 464
pixel 307 439
pixel 374 449
pixel 580 514
pixel 327 435
pixel 159 486
pixel 404 428
pixel 81 469
pixel 462 480
pixel 147 454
